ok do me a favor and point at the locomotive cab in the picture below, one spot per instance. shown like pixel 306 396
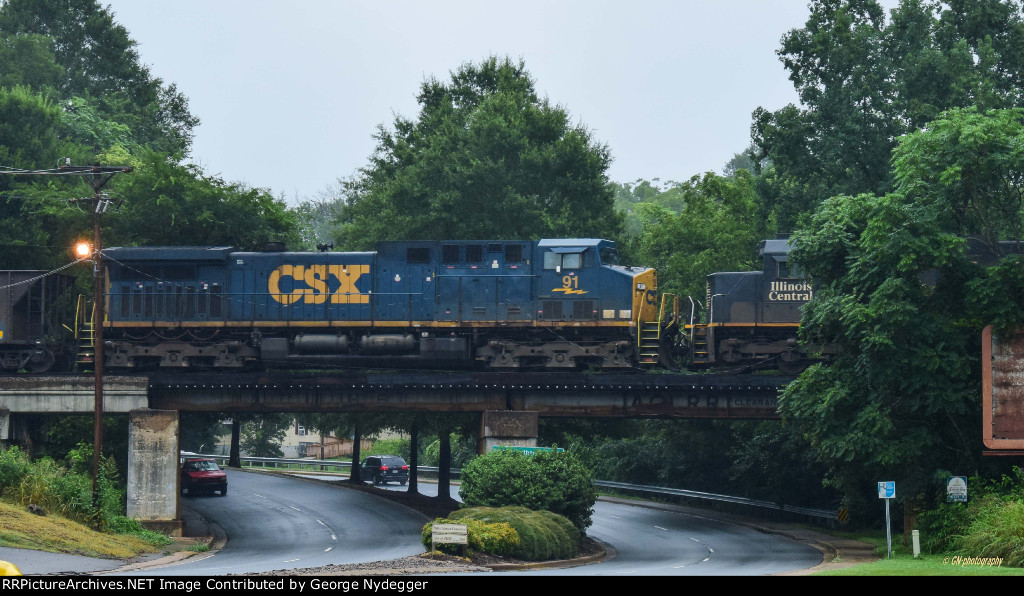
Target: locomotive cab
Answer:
pixel 753 316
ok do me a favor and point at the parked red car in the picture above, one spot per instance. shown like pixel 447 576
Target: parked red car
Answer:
pixel 203 475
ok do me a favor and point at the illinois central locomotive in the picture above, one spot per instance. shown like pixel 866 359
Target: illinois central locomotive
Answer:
pixel 498 304
pixel 751 318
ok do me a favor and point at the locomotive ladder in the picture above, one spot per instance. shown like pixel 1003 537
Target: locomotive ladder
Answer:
pixel 649 339
pixel 700 355
pixel 85 335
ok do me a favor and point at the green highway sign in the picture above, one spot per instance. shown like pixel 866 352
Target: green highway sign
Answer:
pixel 526 450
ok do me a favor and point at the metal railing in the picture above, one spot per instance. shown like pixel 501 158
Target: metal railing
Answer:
pixel 303 465
pixel 827 516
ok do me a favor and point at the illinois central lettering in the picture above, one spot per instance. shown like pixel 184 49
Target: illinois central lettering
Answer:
pixel 788 291
pixel 311 284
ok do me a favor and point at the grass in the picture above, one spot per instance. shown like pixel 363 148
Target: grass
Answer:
pixel 927 565
pixel 21 529
pixel 903 562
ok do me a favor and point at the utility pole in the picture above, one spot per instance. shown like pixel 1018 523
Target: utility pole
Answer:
pixel 97 177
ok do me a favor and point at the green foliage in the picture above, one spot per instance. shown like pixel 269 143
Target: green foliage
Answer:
pixel 991 524
pixel 485 146
pixel 399 447
pixel 687 231
pixel 547 481
pixel 170 204
pixel 66 490
pixel 261 436
pixel 543 535
pixel 898 293
pixel 463 451
pixel 97 59
pixel 498 538
pixel 863 83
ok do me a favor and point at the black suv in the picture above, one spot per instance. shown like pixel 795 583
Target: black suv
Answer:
pixel 382 469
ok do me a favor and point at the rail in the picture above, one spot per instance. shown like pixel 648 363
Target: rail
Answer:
pixel 828 516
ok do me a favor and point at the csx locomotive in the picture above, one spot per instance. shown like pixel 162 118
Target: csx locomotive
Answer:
pixel 499 305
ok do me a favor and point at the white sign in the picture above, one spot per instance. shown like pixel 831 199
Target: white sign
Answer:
pixel 451 539
pixel 956 489
pixel 887 490
pixel 449 534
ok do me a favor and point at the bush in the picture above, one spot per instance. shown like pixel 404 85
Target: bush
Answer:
pixel 548 481
pixel 542 535
pixel 990 525
pixel 14 466
pixel 61 490
pixel 493 538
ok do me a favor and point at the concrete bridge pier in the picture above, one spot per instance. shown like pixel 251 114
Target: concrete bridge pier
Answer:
pixel 5 428
pixel 507 427
pixel 153 447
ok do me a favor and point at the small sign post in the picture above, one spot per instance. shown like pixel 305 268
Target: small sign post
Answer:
pixel 887 490
pixel 449 534
pixel 956 489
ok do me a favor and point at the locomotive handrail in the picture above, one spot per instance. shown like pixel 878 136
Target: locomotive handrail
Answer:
pixel 693 312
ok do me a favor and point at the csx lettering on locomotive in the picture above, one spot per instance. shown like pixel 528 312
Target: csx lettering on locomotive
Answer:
pixel 311 284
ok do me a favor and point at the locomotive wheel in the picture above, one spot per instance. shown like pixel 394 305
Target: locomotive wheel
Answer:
pixel 40 362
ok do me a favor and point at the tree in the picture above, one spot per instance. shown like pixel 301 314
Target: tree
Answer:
pixel 717 229
pixel 863 83
pixel 99 60
pixel 170 204
pixel 898 293
pixel 262 436
pixel 486 147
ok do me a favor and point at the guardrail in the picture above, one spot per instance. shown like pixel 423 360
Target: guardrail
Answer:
pixel 830 517
pixel 308 465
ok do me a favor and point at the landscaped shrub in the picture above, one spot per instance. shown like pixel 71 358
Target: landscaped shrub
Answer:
pixel 542 535
pixel 548 481
pixel 493 538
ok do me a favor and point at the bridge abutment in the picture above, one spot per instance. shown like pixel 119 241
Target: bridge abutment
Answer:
pixel 153 437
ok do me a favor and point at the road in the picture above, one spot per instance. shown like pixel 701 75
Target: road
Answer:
pixel 276 522
pixel 676 541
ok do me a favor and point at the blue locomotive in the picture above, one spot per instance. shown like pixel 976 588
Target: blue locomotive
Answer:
pixel 498 304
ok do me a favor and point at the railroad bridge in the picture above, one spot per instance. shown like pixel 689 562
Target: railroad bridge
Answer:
pixel 509 403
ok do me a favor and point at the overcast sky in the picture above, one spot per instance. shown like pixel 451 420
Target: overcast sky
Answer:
pixel 289 94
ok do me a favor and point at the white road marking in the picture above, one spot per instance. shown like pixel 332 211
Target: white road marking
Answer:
pixel 661 528
pixel 295 508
